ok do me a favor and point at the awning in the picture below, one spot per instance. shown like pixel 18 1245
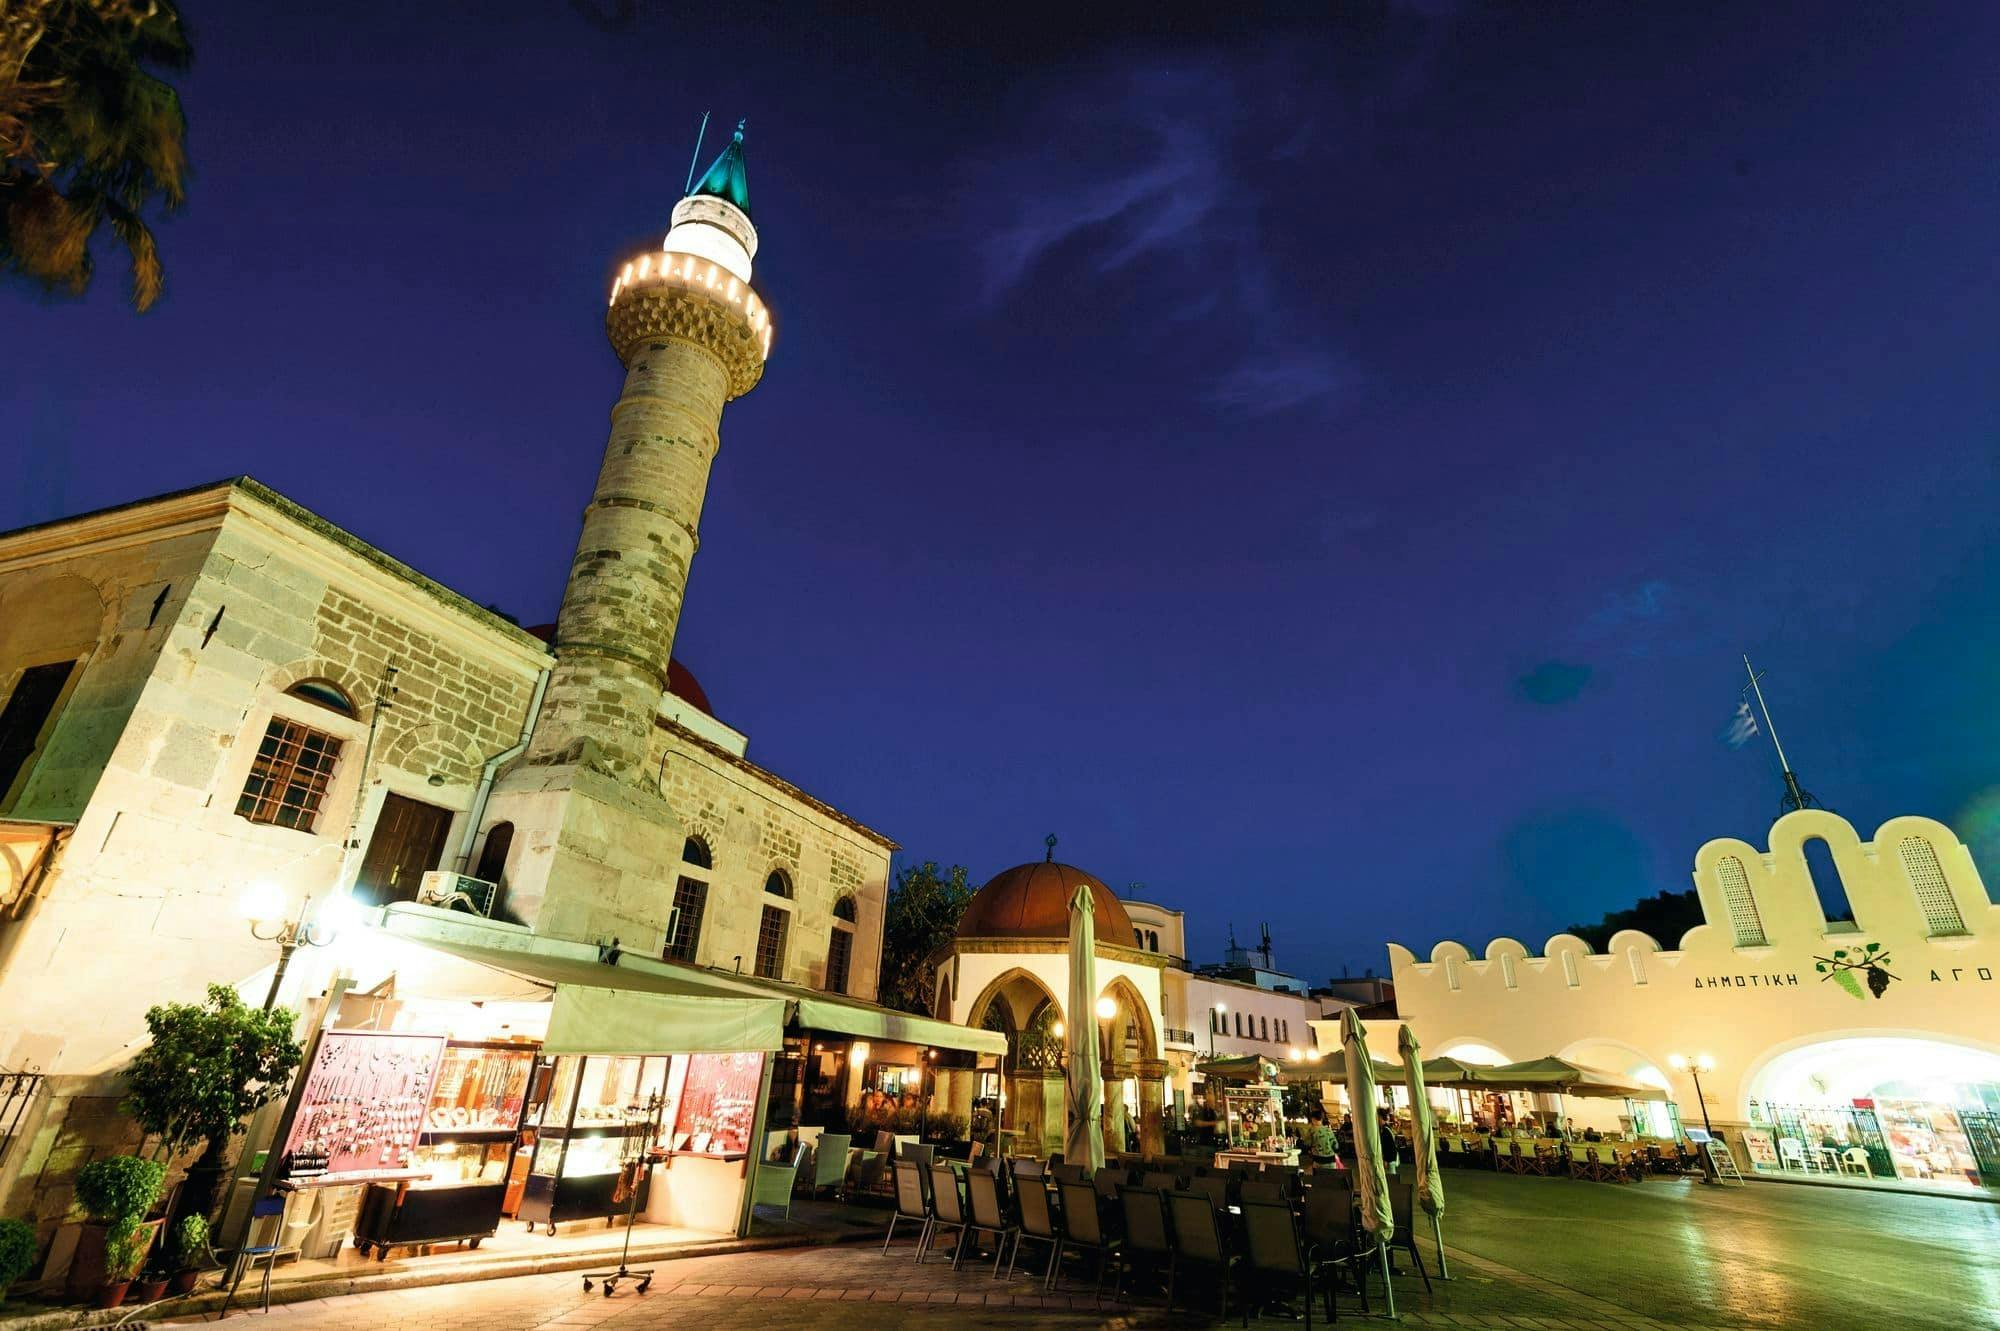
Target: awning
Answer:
pixel 1560 1076
pixel 514 950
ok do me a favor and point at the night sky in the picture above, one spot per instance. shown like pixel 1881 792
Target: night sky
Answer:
pixel 1324 469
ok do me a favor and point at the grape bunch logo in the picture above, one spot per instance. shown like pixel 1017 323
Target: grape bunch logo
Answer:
pixel 1850 970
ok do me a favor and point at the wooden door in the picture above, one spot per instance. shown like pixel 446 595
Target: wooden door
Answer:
pixel 409 839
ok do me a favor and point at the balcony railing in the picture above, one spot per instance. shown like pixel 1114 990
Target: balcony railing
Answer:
pixel 1185 1039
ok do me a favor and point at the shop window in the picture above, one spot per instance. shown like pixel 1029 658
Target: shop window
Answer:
pixel 25 720
pixel 771 942
pixel 493 855
pixel 324 693
pixel 1744 921
pixel 684 925
pixel 1827 885
pixel 289 778
pixel 1920 862
pixel 779 884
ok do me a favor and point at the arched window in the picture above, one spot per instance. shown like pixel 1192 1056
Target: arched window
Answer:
pixel 1152 941
pixel 493 855
pixel 690 902
pixel 324 693
pixel 1138 937
pixel 1941 914
pixel 1744 921
pixel 840 946
pixel 779 884
pixel 1827 885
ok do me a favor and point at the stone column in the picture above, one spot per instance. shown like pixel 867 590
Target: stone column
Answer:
pixel 1152 1109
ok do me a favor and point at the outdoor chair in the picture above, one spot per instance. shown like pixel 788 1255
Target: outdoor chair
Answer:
pixel 1214 1187
pixel 1275 1250
pixel 1197 1240
pixel 1329 1214
pixel 776 1180
pixel 1261 1190
pixel 830 1162
pixel 1402 1210
pixel 871 1168
pixel 1027 1166
pixel 947 1211
pixel 268 1212
pixel 911 1204
pixel 988 1216
pixel 1038 1225
pixel 1109 1180
pixel 1159 1182
pixel 1083 1229
pixel 918 1153
pixel 1146 1242
pixel 1068 1173
pixel 1511 1161
pixel 1854 1160
pixel 1792 1155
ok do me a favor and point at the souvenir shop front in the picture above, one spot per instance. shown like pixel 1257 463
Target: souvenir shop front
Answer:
pixel 460 1094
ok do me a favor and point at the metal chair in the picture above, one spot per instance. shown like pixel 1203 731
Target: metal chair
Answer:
pixel 988 1217
pixel 1038 1225
pixel 1160 1182
pixel 830 1162
pixel 1402 1210
pixel 267 1254
pixel 1261 1190
pixel 911 1204
pixel 1197 1239
pixel 1275 1249
pixel 1083 1230
pixel 1109 1180
pixel 947 1211
pixel 1146 1241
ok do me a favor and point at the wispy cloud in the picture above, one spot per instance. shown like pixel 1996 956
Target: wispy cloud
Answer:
pixel 1157 165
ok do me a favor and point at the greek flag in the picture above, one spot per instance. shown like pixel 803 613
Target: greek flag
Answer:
pixel 1742 727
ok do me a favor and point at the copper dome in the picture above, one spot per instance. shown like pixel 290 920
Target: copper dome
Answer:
pixel 1032 901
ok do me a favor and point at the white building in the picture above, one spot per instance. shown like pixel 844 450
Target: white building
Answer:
pixel 1881 1031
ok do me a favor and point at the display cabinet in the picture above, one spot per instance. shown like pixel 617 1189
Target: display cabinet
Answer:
pixel 600 1114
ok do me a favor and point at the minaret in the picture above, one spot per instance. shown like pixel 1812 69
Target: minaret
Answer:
pixel 692 335
pixel 595 840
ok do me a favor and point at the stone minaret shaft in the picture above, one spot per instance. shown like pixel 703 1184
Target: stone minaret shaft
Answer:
pixel 692 336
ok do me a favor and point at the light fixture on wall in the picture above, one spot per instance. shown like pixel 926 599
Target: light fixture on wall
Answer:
pixel 1107 1008
pixel 1057 1029
pixel 263 907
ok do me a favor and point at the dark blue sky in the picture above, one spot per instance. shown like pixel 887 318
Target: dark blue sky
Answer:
pixel 1326 471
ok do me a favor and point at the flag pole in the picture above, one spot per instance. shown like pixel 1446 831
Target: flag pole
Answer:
pixel 1795 795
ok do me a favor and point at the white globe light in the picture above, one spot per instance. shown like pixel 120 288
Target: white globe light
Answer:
pixel 1106 1009
pixel 262 902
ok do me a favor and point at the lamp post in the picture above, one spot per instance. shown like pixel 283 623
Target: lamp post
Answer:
pixel 1694 1067
pixel 263 907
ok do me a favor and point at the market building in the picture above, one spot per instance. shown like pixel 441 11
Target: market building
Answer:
pixel 539 877
pixel 1865 1043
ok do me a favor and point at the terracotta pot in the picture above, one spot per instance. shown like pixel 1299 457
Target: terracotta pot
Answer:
pixel 150 1290
pixel 182 1282
pixel 86 1268
pixel 112 1293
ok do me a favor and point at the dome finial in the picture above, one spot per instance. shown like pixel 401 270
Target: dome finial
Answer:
pixel 1050 842
pixel 725 178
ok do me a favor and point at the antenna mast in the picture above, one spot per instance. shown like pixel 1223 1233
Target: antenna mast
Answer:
pixel 1796 796
pixel 694 165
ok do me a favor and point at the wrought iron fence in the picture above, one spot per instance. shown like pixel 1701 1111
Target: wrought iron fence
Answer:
pixel 1180 1037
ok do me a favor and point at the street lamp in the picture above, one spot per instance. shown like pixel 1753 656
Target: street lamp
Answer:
pixel 1694 1067
pixel 1107 1008
pixel 263 906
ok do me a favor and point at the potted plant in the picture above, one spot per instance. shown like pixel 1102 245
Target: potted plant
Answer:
pixel 124 1249
pixel 189 1254
pixel 115 1193
pixel 17 1252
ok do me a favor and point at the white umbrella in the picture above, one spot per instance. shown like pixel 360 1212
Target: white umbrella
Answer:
pixel 1083 1075
pixel 1371 1187
pixel 1429 1185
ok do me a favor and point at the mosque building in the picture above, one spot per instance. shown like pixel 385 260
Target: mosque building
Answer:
pixel 216 699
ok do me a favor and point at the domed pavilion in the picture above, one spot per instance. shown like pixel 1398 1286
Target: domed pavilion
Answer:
pixel 1008 971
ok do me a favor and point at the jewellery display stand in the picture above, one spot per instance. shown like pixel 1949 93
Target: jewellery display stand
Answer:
pixel 637 1166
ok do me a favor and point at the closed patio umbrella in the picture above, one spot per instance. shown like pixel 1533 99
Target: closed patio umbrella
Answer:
pixel 1371 1187
pixel 1083 1074
pixel 1429 1184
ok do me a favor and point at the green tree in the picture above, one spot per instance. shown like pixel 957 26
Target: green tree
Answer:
pixel 207 1068
pixel 89 136
pixel 1665 917
pixel 925 904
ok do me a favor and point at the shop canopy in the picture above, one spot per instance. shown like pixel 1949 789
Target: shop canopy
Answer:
pixel 629 998
pixel 1255 1068
pixel 1559 1076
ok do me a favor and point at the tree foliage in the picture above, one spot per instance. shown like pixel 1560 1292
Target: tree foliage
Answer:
pixel 90 136
pixel 925 904
pixel 1665 917
pixel 209 1065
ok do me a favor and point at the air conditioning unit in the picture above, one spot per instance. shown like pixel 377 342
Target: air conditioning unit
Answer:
pixel 457 891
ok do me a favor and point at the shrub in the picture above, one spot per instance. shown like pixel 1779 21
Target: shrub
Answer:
pixel 119 1188
pixel 190 1242
pixel 17 1251
pixel 124 1247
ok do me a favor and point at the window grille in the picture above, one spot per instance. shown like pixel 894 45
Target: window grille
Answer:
pixel 684 936
pixel 1920 862
pixel 1742 903
pixel 771 943
pixel 839 950
pixel 290 776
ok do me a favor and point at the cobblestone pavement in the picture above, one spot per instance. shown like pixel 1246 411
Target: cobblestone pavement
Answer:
pixel 1526 1255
